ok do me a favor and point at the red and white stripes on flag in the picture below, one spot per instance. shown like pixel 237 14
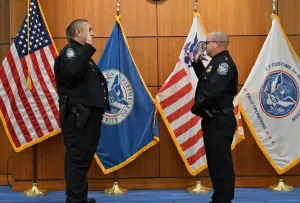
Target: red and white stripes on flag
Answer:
pixel 29 115
pixel 175 99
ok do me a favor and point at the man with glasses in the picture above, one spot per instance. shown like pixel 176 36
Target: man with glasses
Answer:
pixel 216 89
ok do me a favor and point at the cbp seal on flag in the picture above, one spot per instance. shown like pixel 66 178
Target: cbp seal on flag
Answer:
pixel 121 97
pixel 279 94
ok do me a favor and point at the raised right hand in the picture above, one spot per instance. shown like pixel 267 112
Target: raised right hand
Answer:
pixel 199 54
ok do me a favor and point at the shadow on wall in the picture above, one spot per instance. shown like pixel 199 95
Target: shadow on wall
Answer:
pixel 159 2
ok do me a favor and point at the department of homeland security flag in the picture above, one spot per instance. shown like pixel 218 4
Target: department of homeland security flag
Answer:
pixel 176 97
pixel 270 100
pixel 131 126
pixel 28 97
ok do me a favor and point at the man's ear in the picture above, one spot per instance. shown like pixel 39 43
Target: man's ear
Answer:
pixel 78 32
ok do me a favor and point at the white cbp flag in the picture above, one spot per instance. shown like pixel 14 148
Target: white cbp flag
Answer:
pixel 176 97
pixel 270 100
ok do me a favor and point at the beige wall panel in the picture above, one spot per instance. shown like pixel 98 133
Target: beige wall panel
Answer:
pixel 144 52
pixel 59 14
pixel 6 151
pixel 138 17
pixel 243 156
pixel 22 164
pixel 17 15
pixel 3 52
pixel 51 158
pixel 174 17
pixel 244 51
pixel 4 21
pixel 96 172
pixel 145 166
pixel 241 17
pixel 288 11
pixel 295 42
pixel 294 171
pixel 168 53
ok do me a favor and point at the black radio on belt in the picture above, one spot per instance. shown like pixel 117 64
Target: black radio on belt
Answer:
pixel 64 107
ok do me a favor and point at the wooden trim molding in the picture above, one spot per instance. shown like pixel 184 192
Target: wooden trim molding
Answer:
pixel 156 183
pixel 3 179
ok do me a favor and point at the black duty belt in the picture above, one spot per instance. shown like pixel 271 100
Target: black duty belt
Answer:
pixel 221 111
pixel 72 108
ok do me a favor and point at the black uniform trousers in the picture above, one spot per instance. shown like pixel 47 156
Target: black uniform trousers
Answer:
pixel 218 134
pixel 81 146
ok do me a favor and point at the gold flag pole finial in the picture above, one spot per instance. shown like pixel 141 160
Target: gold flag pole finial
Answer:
pixel 274 7
pixel 118 7
pixel 195 6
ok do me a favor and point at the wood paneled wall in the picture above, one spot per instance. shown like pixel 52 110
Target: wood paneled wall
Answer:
pixel 156 32
pixel 5 147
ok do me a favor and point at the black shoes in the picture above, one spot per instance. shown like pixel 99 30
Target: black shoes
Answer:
pixel 90 200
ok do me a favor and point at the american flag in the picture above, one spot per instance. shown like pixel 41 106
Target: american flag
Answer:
pixel 175 99
pixel 30 115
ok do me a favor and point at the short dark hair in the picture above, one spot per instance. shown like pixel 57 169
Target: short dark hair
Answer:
pixel 71 29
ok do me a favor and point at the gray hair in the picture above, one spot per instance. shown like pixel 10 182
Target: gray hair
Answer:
pixel 221 37
pixel 71 29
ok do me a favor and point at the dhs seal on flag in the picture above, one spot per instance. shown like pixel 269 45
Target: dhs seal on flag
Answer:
pixel 279 94
pixel 121 97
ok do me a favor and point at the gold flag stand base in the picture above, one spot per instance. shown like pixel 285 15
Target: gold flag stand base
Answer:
pixel 115 190
pixel 35 191
pixel 198 189
pixel 281 187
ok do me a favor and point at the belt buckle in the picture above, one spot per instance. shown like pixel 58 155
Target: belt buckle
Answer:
pixel 73 109
pixel 217 112
pixel 214 111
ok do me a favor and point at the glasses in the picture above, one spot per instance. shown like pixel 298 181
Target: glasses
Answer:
pixel 207 42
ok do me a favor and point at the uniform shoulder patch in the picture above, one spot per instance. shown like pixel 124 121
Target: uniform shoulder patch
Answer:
pixel 70 53
pixel 223 68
